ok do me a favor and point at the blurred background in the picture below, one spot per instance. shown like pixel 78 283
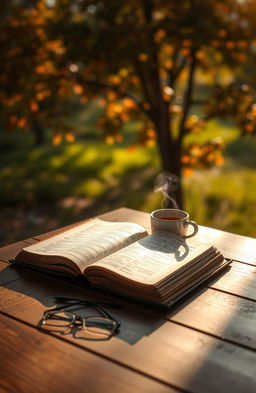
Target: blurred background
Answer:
pixel 115 103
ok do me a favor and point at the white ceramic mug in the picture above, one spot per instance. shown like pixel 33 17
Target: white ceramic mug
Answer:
pixel 172 220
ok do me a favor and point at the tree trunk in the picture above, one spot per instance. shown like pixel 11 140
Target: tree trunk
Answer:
pixel 170 149
pixel 170 153
pixel 38 132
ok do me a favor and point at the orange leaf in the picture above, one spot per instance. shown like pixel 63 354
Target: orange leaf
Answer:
pixel 102 102
pixel 159 35
pixel 187 42
pixel 78 89
pixel 34 107
pixel 187 172
pixel 40 69
pixel 111 95
pixel 57 138
pixel 185 51
pixel 119 137
pixel 242 44
pixel 210 157
pixel 22 122
pixel 168 64
pixel 249 127
pixel 132 148
pixel 70 137
pixel 219 160
pixel 230 45
pixel 109 140
pixel 123 72
pixel 146 106
pixel 143 57
pixel 222 33
pixel 185 159
pixel 13 120
pixel 168 49
pixel 151 134
pixel 150 143
pixel 125 117
pixel 115 79
pixel 129 103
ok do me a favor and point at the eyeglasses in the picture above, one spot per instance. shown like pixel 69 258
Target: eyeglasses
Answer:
pixel 63 320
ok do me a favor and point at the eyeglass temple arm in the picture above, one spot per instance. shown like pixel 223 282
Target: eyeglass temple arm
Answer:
pixel 97 305
pixel 60 308
pixel 63 299
pixel 108 315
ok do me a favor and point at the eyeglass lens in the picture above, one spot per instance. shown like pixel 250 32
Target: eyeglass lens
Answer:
pixel 96 327
pixel 61 321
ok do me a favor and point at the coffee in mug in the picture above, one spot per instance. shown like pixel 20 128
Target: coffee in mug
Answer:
pixel 173 220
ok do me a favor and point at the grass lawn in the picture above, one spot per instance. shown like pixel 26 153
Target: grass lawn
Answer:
pixel 49 186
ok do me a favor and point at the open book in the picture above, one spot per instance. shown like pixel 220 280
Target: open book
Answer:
pixel 121 257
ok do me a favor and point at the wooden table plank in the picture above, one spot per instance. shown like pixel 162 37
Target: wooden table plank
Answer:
pixel 239 280
pixel 233 246
pixel 214 312
pixel 9 273
pixel 32 361
pixel 240 248
pixel 204 310
pixel 122 214
pixel 182 357
pixel 212 332
pixel 12 250
pixel 219 314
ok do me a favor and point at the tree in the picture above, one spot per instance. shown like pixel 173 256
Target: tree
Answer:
pixel 146 55
pixel 145 58
pixel 32 89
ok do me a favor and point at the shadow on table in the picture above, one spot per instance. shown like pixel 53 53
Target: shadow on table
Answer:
pixel 38 290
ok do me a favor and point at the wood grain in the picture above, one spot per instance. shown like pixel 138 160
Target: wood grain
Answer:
pixel 8 273
pixel 233 246
pixel 36 362
pixel 214 312
pixel 239 280
pixel 12 250
pixel 183 357
pixel 219 314
pixel 121 214
pixel 240 248
pixel 206 343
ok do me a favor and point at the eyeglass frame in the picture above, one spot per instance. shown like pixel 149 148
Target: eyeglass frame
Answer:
pixel 77 320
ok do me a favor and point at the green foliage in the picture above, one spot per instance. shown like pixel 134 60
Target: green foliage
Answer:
pixel 100 178
pixel 52 173
pixel 159 70
pixel 224 201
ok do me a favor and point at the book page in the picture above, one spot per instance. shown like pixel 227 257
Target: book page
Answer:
pixel 151 258
pixel 89 242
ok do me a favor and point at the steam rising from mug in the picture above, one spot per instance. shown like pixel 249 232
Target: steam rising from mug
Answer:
pixel 167 183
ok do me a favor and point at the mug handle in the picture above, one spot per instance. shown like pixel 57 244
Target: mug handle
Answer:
pixel 194 225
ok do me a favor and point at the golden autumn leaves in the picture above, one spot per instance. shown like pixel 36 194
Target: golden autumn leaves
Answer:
pixel 53 77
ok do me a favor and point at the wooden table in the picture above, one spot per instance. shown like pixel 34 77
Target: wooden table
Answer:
pixel 206 343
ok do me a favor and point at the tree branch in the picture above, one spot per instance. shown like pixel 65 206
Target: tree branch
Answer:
pixel 187 96
pixel 148 8
pixel 145 88
pixel 108 86
pixel 175 71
